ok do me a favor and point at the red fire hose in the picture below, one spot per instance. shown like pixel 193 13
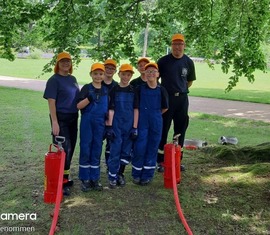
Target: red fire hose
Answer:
pixel 59 193
pixel 176 198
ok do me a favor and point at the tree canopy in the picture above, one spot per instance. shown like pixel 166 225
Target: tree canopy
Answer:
pixel 230 32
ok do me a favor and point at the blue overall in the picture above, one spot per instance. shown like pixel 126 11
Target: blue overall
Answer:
pixel 122 125
pixel 149 134
pixel 91 134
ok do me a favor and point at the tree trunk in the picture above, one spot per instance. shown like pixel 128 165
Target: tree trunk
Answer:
pixel 99 39
pixel 145 42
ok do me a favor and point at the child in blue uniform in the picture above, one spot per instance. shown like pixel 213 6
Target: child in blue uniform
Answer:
pixel 109 82
pixel 93 103
pixel 141 68
pixel 153 103
pixel 122 125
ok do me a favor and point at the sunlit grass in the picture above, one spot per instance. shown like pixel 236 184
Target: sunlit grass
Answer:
pixel 209 83
pixel 211 128
pixel 247 174
pixel 78 201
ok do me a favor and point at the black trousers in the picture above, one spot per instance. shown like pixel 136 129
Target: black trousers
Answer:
pixel 68 124
pixel 107 150
pixel 178 113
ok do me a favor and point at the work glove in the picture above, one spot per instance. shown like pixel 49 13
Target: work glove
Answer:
pixel 109 133
pixel 133 133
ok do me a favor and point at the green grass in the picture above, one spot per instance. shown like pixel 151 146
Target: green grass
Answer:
pixel 210 128
pixel 209 83
pixel 217 195
pixel 212 83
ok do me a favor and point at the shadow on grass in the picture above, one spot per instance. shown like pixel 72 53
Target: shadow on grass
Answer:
pixel 231 192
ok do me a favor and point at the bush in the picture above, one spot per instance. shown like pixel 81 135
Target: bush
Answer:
pixel 35 54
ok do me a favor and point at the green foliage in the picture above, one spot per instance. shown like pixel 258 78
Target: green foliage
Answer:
pixel 228 31
pixel 117 39
pixel 35 54
pixel 15 16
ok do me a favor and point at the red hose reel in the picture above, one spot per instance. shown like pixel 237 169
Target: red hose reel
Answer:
pixel 172 149
pixel 52 170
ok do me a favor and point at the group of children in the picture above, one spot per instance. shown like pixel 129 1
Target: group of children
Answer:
pixel 128 117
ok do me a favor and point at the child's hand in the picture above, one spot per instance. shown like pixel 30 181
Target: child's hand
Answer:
pixel 133 133
pixel 109 133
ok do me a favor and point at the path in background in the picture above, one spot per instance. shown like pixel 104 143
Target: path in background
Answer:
pixel 226 108
pixel 23 83
pixel 229 108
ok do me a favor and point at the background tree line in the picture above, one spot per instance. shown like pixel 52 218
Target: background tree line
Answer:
pixel 233 32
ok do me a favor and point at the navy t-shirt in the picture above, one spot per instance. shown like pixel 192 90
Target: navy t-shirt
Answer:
pixel 111 85
pixel 137 82
pixel 64 90
pixel 175 73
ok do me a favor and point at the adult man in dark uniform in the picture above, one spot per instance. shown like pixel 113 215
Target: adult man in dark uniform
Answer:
pixel 177 73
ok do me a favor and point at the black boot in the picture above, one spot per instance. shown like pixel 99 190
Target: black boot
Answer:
pixel 121 169
pixel 121 178
pixel 86 185
pixel 160 160
pixel 160 167
pixel 67 183
pixel 182 167
pixel 67 180
pixel 96 185
pixel 66 191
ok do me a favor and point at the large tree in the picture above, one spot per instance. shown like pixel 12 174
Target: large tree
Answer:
pixel 228 31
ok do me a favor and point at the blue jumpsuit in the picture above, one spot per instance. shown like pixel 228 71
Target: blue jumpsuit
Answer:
pixel 92 129
pixel 122 124
pixel 108 145
pixel 149 133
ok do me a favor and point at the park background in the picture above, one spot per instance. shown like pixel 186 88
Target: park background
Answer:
pixel 225 189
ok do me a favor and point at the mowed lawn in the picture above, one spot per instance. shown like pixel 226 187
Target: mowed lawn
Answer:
pixel 219 193
pixel 210 83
